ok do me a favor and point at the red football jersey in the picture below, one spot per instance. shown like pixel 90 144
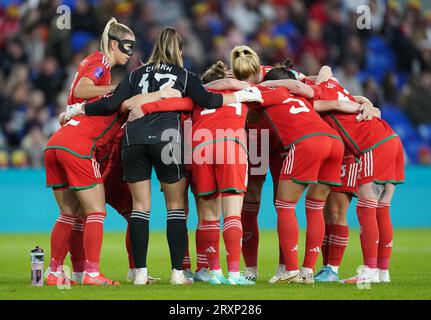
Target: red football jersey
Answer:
pixel 222 122
pixel 295 120
pixel 86 136
pixel 97 68
pixel 264 70
pixel 359 137
pixel 233 116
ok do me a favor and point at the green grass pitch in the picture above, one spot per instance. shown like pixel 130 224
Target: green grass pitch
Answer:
pixel 410 272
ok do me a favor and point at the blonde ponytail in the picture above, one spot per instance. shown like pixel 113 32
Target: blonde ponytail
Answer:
pixel 245 63
pixel 113 28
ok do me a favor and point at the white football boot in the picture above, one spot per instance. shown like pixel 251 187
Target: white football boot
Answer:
pixel 141 276
pixel 250 273
pixel 307 275
pixel 365 275
pixel 384 276
pixel 178 277
pixel 280 270
pixel 293 276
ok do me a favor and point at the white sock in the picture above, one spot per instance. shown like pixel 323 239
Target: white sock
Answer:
pixel 93 274
pixel 234 274
pixel 217 271
pixel 306 270
pixel 292 272
pixel 333 268
pixel 141 270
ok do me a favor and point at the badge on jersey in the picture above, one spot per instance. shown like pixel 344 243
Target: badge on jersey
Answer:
pixel 98 73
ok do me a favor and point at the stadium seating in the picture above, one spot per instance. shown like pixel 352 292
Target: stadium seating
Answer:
pixel 414 140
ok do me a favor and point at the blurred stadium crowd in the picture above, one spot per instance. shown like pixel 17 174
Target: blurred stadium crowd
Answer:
pixel 389 63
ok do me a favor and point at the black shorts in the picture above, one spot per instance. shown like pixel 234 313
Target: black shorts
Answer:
pixel 139 159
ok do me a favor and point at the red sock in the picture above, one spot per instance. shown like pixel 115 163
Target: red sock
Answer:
pixel 76 246
pixel 288 233
pixel 337 244
pixel 232 235
pixel 367 216
pixel 60 241
pixel 129 249
pixel 325 244
pixel 93 237
pixel 315 231
pixel 280 255
pixel 210 232
pixel 250 239
pixel 186 260
pixel 202 261
pixel 386 236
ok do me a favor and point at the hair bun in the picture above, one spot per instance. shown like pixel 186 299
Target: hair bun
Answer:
pixel 219 66
pixel 285 64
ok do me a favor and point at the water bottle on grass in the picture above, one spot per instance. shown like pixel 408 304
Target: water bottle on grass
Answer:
pixel 36 258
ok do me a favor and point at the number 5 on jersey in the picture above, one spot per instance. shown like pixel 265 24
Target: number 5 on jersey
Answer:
pixel 294 109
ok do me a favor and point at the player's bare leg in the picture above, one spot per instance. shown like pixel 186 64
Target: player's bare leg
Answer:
pixel 336 206
pixel 176 228
pixel 68 205
pixel 288 194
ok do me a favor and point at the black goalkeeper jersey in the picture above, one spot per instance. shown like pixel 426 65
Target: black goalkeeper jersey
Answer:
pixel 155 127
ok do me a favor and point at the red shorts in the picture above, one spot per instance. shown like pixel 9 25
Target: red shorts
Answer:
pixel 349 175
pixel 189 179
pixel 314 160
pixel 63 169
pixel 214 171
pixel 117 192
pixel 383 164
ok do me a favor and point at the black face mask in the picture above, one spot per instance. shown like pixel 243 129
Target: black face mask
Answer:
pixel 122 45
